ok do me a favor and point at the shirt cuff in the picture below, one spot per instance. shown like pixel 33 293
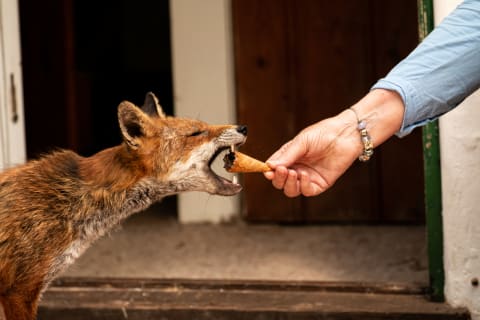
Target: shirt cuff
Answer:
pixel 411 101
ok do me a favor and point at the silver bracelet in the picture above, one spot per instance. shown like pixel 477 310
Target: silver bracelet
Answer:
pixel 365 138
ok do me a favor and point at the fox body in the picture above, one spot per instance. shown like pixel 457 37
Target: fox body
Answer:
pixel 53 208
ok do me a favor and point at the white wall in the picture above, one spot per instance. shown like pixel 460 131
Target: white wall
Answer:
pixel 202 53
pixel 460 159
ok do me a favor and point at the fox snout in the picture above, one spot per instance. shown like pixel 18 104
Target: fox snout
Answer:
pixel 242 129
pixel 194 170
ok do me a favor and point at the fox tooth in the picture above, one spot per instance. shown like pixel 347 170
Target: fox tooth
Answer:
pixel 235 179
pixel 232 148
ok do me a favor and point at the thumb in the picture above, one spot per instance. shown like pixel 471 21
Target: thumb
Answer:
pixel 288 154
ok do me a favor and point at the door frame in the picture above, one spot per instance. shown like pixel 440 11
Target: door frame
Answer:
pixel 433 181
pixel 12 132
pixel 204 88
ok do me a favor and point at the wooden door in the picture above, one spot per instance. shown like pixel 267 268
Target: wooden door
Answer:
pixel 298 62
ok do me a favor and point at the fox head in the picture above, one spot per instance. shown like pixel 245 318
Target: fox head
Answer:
pixel 177 152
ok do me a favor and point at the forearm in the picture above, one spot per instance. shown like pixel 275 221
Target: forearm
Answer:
pixel 442 71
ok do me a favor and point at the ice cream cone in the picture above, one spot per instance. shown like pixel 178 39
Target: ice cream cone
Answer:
pixel 240 162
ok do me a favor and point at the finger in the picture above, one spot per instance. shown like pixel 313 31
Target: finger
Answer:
pixel 281 174
pixel 288 154
pixel 291 188
pixel 279 152
pixel 269 175
pixel 307 187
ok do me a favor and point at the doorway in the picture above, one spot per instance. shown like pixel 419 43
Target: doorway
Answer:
pixel 81 59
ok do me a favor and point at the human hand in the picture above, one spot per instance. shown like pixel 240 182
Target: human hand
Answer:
pixel 311 162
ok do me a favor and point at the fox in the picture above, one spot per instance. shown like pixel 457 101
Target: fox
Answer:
pixel 53 208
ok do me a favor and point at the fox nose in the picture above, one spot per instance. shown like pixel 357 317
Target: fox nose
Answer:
pixel 242 129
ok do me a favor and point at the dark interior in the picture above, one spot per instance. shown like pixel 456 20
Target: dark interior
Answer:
pixel 81 59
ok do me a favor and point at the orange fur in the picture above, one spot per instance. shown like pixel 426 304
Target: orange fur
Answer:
pixel 53 208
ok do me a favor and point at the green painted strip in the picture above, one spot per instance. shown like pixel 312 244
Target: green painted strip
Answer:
pixel 433 182
pixel 433 208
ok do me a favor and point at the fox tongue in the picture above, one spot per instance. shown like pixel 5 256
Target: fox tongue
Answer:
pixel 227 187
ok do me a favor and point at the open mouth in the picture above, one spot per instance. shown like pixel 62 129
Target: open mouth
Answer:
pixel 215 164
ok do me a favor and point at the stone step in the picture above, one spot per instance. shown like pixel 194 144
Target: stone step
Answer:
pixel 72 299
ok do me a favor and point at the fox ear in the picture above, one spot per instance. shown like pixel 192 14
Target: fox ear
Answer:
pixel 152 107
pixel 133 123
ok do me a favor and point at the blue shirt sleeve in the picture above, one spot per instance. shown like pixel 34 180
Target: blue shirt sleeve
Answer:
pixel 442 71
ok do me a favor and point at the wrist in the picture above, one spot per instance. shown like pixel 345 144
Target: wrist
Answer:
pixel 350 133
pixel 382 111
pixel 371 121
pixel 364 138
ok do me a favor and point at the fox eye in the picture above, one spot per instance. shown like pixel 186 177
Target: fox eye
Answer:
pixel 197 133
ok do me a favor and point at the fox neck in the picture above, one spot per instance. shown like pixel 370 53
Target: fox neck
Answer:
pixel 114 169
pixel 116 186
pixel 120 183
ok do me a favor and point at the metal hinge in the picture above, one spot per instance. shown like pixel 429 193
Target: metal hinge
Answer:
pixel 13 97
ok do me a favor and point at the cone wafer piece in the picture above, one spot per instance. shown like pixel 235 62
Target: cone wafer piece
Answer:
pixel 240 162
